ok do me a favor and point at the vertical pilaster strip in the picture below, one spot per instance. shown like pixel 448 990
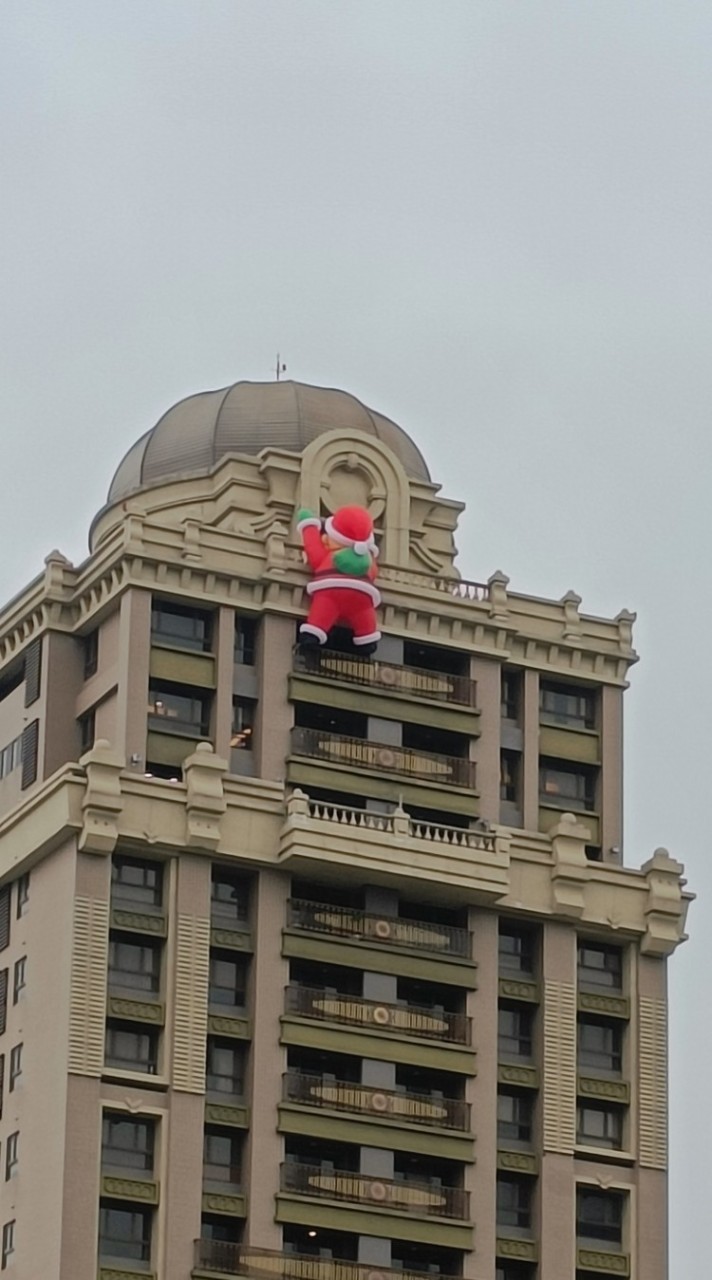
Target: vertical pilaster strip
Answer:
pixel 191 1004
pixel 87 1006
pixel 652 1068
pixel 559 1067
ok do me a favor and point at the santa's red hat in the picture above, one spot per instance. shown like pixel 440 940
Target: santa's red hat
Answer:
pixel 352 527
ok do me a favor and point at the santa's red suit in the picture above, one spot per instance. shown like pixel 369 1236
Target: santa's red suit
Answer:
pixel 341 594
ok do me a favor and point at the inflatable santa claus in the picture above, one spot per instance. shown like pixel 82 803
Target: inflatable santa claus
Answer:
pixel 341 553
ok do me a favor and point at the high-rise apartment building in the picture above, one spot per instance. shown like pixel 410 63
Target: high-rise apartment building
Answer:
pixel 314 967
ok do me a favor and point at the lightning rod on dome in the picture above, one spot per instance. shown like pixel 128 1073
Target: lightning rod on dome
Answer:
pixel 279 367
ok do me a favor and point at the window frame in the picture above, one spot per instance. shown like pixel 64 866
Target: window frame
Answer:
pixel 245 643
pixel 603 1236
pixel 90 652
pixel 588 974
pixel 609 1111
pixel 219 956
pixel 145 1156
pixel 8 1243
pixel 586 775
pixel 583 718
pixel 590 1060
pixel 107 1207
pixel 526 1014
pixel 23 894
pixel 137 896
pixel 115 1027
pixel 521 960
pixel 164 638
pixel 127 979
pixel 524 1125
pixel 521 1211
pixel 176 699
pixel 221 1044
pixel 12 1157
pixel 227 1178
pixel 242 734
pixel 15 1066
pixel 19 978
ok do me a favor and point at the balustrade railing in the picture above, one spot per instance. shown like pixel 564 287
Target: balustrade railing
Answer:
pixel 438 833
pixel 438 686
pixel 416 1196
pixel 346 922
pixel 428 766
pixel 429 1109
pixel 408 1019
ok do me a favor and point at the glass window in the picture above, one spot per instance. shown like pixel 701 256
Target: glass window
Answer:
pixel 136 881
pixel 564 786
pixel 185 713
pixel 225 1067
pixel 124 1232
pixel 15 1065
pixel 513 1202
pixel 131 1049
pixel 227 980
pixel 511 695
pixel 19 980
pixel 514 1117
pixel 568 705
pixel 600 1046
pixel 243 723
pixel 221 1231
pixel 599 1125
pixel 90 647
pixel 600 965
pixel 509 769
pixel 516 949
pixel 11 1155
pixel 179 627
pixel 515 1032
pixel 87 731
pixel 23 894
pixel 229 897
pixel 127 1142
pixel 134 964
pixel 246 641
pixel 8 1243
pixel 599 1215
pixel 221 1156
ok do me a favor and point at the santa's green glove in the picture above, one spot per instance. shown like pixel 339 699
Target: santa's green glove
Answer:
pixel 306 517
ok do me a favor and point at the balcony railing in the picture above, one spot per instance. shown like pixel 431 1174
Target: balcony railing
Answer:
pixel 363 819
pixel 381 1104
pixel 408 1019
pixel 360 753
pixel 345 922
pixel 410 1196
pixel 241 1260
pixel 437 686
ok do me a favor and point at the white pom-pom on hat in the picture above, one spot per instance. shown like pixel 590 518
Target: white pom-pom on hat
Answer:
pixel 362 548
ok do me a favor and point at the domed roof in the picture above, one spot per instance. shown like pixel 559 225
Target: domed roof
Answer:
pixel 192 437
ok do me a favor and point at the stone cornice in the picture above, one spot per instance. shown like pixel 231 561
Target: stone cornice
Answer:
pixel 261 569
pixel 104 806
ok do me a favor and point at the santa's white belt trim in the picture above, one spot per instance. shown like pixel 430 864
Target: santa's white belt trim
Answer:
pixel 344 584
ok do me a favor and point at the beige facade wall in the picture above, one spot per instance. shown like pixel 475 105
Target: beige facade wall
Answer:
pixel 36 1108
pixel 270 974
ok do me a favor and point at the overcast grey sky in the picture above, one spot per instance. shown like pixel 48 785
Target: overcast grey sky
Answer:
pixel 489 219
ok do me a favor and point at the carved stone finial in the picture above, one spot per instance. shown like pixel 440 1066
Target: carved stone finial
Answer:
pixel 298 804
pixel 205 803
pixel 666 909
pixel 102 801
pixel 572 617
pixel 570 870
pixel 499 605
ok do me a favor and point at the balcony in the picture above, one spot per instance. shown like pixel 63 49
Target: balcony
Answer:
pixel 420 682
pixel 380 1104
pixel 345 922
pixel 403 1019
pixel 217 1257
pixel 406 1196
pixel 380 757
